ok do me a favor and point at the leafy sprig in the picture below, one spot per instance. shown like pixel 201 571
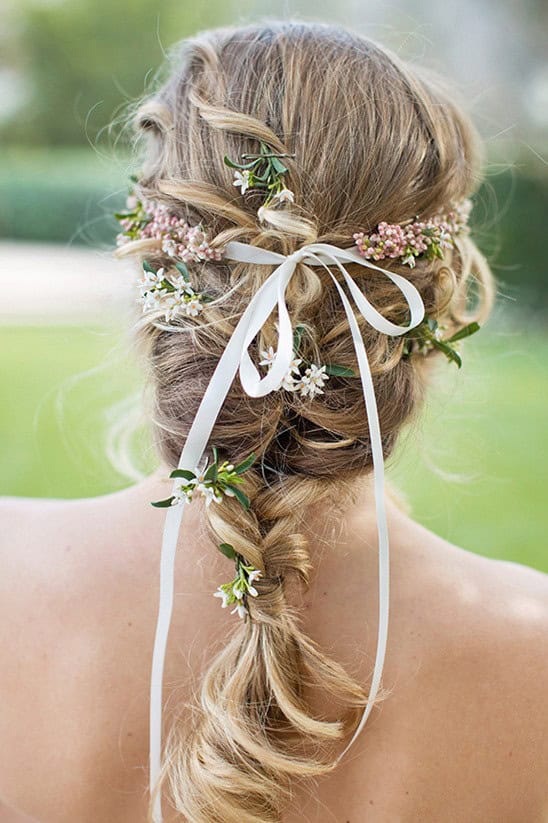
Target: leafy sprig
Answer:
pixel 213 482
pixel 428 335
pixel 330 368
pixel 263 171
pixel 241 586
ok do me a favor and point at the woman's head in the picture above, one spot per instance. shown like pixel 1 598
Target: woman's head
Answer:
pixel 373 140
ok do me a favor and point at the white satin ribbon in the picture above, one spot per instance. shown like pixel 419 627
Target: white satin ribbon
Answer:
pixel 236 357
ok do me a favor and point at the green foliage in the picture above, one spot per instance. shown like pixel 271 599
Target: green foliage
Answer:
pixel 83 59
pixel 63 196
pixel 487 425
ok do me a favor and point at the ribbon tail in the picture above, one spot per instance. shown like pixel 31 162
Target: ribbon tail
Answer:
pixel 382 526
pixel 191 454
pixel 249 324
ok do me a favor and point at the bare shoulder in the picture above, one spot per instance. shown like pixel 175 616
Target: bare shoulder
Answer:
pixel 478 701
pixel 63 602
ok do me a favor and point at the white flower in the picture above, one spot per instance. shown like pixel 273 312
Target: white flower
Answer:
pixel 241 609
pixel 151 280
pixel 284 196
pixel 173 303
pixel 313 380
pixel 438 334
pixel 294 365
pixel 409 261
pixel 209 494
pixel 241 179
pixel 169 246
pixel 253 575
pixel 288 383
pixel 153 299
pixel 237 591
pixel 181 284
pixel 252 591
pixel 182 494
pixel 268 357
pixel 193 307
pixel 262 214
pixel 221 593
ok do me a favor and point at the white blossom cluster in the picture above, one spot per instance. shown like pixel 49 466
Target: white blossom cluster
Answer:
pixel 309 384
pixel 155 293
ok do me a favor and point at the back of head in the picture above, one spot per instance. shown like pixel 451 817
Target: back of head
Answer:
pixel 369 139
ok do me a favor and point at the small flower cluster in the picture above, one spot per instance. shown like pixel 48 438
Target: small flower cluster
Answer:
pixel 308 384
pixel 146 219
pixel 212 482
pixel 429 335
pixel 170 293
pixel 264 171
pixel 311 382
pixel 408 241
pixel 241 586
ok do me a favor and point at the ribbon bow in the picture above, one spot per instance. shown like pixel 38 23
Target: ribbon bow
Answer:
pixel 236 357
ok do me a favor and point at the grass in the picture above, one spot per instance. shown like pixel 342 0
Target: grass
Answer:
pixel 473 467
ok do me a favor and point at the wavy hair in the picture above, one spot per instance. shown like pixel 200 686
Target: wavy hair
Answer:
pixel 374 139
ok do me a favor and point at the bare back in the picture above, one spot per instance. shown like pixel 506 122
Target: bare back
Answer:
pixel 461 736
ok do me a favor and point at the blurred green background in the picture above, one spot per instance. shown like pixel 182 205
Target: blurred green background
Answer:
pixel 474 466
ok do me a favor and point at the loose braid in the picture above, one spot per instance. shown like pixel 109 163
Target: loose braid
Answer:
pixel 373 140
pixel 256 730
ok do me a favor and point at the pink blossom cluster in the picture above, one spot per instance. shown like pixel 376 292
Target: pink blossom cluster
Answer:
pixel 430 237
pixel 149 220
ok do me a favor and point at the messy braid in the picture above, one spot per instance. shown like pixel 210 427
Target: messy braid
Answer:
pixel 373 140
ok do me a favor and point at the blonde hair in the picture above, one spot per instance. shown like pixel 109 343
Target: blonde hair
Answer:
pixel 374 140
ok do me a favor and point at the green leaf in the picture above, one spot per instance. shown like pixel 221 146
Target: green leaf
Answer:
pixel 133 178
pixel 448 351
pixel 184 473
pixel 123 215
pixel 339 371
pixel 182 269
pixel 211 474
pixel 432 324
pixel 163 504
pixel 278 166
pixel 245 464
pixel 240 496
pixel 148 267
pixel 215 455
pixel 228 162
pixel 471 328
pixel 297 337
pixel 228 550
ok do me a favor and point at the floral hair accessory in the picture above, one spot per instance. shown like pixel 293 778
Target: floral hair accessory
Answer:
pixel 212 482
pixel 145 219
pixel 411 240
pixel 311 382
pixel 170 293
pixel 264 172
pixel 429 335
pixel 241 586
pixel 284 361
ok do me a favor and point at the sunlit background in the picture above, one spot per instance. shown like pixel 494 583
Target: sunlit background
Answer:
pixel 474 466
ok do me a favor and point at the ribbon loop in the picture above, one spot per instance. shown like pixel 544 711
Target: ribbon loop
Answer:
pixel 236 358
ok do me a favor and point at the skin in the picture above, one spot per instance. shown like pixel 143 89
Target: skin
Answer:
pixel 463 735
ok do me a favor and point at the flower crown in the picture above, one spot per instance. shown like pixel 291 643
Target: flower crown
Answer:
pixel 169 290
